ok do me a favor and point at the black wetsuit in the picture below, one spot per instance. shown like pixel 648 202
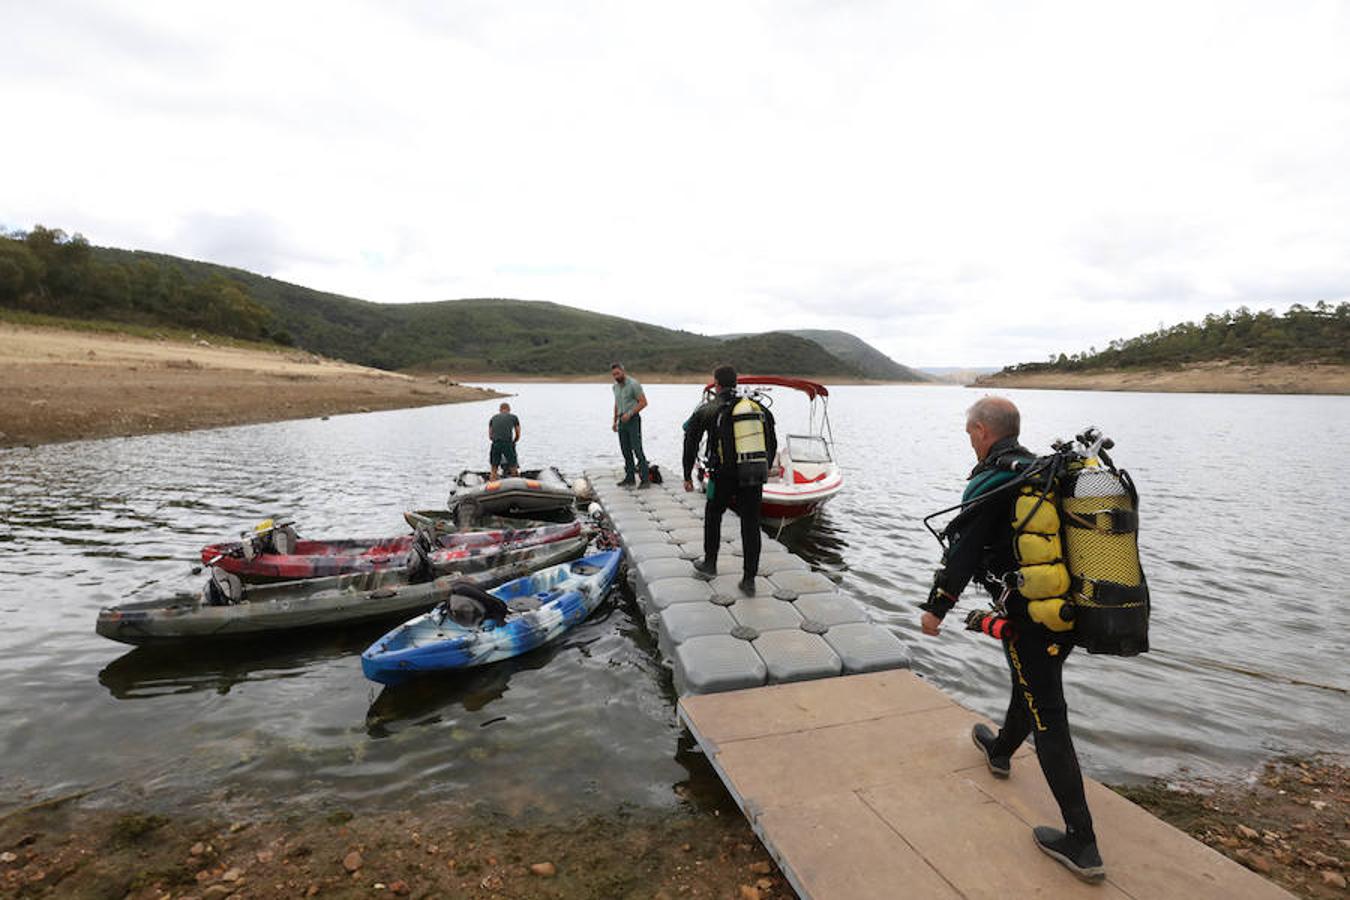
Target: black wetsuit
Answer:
pixel 980 546
pixel 727 491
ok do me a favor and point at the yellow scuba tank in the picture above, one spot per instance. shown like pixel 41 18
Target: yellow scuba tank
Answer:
pixel 747 429
pixel 1100 531
pixel 1075 540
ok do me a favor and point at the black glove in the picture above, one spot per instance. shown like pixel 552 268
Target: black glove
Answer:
pixel 940 600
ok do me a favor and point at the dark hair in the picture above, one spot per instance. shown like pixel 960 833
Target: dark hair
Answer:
pixel 725 376
pixel 616 365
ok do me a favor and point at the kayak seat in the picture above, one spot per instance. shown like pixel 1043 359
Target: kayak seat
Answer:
pixel 523 604
pixel 470 606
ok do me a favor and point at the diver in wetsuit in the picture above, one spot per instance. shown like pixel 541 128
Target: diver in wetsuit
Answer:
pixel 981 547
pixel 738 463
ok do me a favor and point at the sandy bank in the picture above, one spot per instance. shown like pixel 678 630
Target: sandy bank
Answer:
pixel 1218 378
pixel 67 385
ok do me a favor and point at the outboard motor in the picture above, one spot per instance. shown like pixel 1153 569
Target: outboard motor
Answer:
pixel 274 535
pixel 222 588
pixel 418 562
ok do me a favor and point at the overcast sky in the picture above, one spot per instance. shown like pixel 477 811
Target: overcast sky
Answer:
pixel 955 182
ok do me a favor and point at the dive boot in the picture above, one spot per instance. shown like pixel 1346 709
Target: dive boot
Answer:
pixel 983 737
pixel 747 585
pixel 704 570
pixel 1078 856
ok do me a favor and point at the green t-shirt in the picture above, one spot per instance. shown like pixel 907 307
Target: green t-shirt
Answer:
pixel 502 426
pixel 626 394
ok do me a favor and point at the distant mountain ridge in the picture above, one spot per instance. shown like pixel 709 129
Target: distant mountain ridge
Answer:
pixel 868 360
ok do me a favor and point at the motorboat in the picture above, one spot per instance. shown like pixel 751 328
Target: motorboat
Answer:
pixel 803 475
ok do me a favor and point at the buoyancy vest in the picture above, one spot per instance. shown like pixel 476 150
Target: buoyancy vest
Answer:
pixel 740 433
pixel 1075 540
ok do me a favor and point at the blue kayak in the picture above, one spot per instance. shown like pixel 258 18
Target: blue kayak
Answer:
pixel 475 627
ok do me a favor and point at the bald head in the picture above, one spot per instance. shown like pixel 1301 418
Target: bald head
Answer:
pixel 990 420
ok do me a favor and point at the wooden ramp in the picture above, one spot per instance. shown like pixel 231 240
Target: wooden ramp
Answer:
pixel 869 786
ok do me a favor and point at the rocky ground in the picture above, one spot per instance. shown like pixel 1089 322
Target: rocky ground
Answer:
pixel 64 385
pixel 68 852
pixel 1292 825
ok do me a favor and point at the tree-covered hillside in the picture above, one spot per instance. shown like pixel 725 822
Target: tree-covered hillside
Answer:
pixel 49 272
pixel 1318 334
pixel 46 271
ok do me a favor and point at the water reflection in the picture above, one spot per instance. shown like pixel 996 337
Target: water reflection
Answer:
pixel 155 671
pixel 818 540
pixel 417 702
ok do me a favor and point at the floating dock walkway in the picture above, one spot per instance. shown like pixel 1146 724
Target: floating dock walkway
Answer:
pixel 798 626
pixel 859 778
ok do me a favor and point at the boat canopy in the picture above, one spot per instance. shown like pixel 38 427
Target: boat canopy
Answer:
pixel 812 389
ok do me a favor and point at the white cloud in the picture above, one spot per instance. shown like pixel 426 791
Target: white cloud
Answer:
pixel 955 182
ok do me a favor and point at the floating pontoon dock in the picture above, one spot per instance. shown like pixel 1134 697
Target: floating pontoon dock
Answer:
pixel 859 778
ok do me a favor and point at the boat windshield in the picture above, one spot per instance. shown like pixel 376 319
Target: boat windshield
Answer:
pixel 807 448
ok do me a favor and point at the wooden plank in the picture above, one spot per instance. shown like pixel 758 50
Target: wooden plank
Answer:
pixel 785 708
pixel 869 786
pixel 787 768
pixel 980 847
pixel 835 846
pixel 1144 855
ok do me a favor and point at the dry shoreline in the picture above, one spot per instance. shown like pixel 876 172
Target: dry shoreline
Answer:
pixel 1212 377
pixel 1289 825
pixel 63 385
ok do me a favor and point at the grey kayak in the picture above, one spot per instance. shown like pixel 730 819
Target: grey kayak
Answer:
pixel 315 603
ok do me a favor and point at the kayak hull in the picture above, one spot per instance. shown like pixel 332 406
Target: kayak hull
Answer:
pixel 566 595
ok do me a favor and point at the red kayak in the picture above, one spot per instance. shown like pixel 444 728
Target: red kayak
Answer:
pixel 320 559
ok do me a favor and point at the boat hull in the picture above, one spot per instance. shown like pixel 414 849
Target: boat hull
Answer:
pixel 474 496
pixel 785 504
pixel 287 606
pixel 324 559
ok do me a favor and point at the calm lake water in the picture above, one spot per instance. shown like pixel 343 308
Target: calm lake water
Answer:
pixel 1245 512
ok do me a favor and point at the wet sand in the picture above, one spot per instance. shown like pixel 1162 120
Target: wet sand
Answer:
pixel 1204 378
pixel 64 385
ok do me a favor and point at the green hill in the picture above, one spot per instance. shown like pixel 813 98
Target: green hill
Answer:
pixel 862 355
pixel 1318 334
pixel 47 272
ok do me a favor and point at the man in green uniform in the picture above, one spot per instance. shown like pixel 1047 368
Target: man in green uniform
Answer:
pixel 504 433
pixel 629 402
